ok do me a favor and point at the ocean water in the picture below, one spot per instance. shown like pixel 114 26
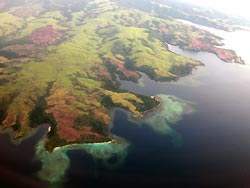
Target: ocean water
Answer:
pixel 17 164
pixel 214 144
pixel 215 138
pixel 205 142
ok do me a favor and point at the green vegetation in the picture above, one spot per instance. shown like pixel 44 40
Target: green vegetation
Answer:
pixel 186 11
pixel 56 163
pixel 162 119
pixel 148 103
pixel 68 79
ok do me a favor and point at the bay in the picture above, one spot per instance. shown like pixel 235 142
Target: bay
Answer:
pixel 215 145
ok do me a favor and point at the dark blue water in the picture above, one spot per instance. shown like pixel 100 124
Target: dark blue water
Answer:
pixel 215 150
pixel 17 167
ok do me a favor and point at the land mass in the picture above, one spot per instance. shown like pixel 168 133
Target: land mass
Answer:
pixel 59 60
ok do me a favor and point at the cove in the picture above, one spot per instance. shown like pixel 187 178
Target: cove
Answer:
pixel 214 149
pixel 212 136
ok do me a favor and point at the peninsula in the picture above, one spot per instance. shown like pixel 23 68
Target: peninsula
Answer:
pixel 59 60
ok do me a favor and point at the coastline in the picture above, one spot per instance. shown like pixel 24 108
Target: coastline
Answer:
pixel 148 112
pixel 222 34
pixel 102 151
pixel 171 108
pixel 33 132
pixel 235 59
pixel 76 144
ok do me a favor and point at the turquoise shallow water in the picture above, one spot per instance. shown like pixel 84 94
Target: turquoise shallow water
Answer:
pixel 211 134
pixel 56 163
pixel 199 138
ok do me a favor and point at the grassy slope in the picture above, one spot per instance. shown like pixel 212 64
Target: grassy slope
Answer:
pixel 65 76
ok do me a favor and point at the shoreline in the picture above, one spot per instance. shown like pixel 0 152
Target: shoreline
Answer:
pixel 218 32
pixel 235 60
pixel 75 144
pixel 148 112
pixel 143 115
pixel 32 133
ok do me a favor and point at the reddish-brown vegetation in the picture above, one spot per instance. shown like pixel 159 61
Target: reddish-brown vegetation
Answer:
pixel 198 40
pixel 103 75
pixel 63 114
pixel 199 45
pixel 10 120
pixel 23 50
pixel 45 35
pixel 229 56
pixel 122 69
pixel 60 105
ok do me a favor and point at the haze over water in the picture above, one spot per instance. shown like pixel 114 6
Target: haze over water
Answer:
pixel 215 144
pixel 238 40
pixel 215 139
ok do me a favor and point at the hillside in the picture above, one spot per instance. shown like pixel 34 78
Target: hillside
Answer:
pixel 59 60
